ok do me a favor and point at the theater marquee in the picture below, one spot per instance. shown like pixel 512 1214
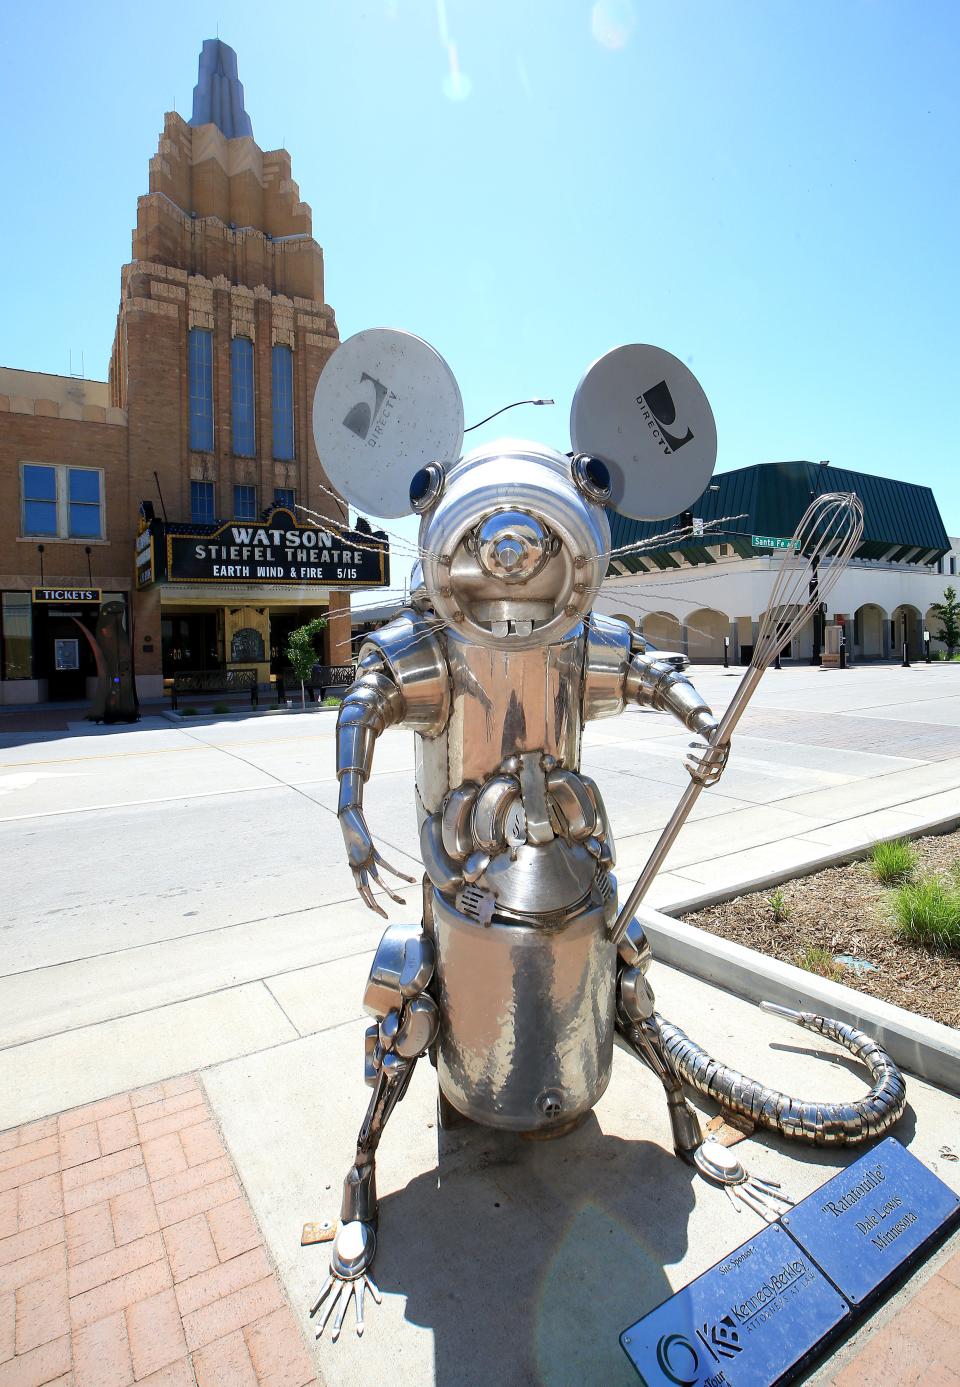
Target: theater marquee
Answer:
pixel 275 551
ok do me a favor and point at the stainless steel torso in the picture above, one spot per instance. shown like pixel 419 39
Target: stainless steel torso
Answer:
pixel 527 997
pixel 527 1017
pixel 502 701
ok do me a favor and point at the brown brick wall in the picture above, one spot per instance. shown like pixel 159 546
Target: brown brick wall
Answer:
pixel 40 438
pixel 189 270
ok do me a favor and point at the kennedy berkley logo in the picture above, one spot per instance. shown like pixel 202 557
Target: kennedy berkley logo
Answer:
pixel 370 414
pixel 679 1360
pixel 658 409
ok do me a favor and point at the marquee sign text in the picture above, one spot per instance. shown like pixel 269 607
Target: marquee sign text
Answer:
pixel 275 551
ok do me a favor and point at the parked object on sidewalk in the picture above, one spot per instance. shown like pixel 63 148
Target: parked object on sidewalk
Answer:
pixel 520 974
pixel 674 658
pixel 115 697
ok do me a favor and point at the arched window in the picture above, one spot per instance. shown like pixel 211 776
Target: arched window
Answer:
pixel 282 402
pixel 241 397
pixel 200 374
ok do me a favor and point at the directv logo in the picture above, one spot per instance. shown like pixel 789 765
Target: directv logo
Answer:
pixel 657 408
pixel 364 416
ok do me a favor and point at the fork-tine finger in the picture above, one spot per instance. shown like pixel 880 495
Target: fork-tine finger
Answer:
pixel 374 1288
pixel 384 887
pixel 366 895
pixel 330 1307
pixel 322 1296
pixel 358 1293
pixel 382 862
pixel 338 1322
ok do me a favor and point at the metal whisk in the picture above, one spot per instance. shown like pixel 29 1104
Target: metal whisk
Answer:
pixel 829 533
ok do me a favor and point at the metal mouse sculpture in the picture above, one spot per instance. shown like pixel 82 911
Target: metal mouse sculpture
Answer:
pixel 512 980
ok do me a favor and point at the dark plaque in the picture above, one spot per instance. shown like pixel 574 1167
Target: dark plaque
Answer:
pixel 865 1223
pixel 747 1322
pixel 247 644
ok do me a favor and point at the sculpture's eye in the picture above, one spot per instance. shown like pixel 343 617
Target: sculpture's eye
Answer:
pixel 592 477
pixel 426 487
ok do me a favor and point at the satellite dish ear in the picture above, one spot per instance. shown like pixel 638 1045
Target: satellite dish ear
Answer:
pixel 644 414
pixel 386 405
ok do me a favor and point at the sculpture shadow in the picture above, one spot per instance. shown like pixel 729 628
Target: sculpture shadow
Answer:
pixel 13 734
pixel 527 1259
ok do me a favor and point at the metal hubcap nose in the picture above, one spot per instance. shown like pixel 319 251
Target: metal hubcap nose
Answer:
pixel 511 545
pixel 508 553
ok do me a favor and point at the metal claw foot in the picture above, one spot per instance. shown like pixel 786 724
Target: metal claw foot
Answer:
pixel 721 1165
pixel 350 1260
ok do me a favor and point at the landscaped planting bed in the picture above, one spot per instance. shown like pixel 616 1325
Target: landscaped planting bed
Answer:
pixel 845 913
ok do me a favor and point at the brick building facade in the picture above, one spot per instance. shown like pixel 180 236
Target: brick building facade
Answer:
pixel 222 332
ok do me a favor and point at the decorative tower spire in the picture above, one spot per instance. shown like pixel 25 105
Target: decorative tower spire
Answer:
pixel 218 95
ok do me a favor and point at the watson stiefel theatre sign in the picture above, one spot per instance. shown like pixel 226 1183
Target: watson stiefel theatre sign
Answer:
pixel 278 550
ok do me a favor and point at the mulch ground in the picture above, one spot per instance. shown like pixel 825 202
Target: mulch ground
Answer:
pixel 846 911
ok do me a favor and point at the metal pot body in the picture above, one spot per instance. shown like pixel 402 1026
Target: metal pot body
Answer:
pixel 527 1017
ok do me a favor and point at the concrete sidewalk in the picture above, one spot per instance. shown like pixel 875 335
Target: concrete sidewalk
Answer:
pixel 182 904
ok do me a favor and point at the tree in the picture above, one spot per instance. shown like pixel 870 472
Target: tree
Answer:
pixel 948 612
pixel 302 653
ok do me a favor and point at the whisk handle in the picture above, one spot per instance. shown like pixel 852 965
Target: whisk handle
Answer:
pixel 688 799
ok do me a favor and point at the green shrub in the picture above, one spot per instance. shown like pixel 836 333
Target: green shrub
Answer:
pixel 331 702
pixel 221 707
pixel 820 961
pixel 928 912
pixel 893 862
pixel 302 653
pixel 778 904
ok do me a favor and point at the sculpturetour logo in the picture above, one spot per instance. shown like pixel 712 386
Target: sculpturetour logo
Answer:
pixel 660 413
pixel 368 417
pixel 679 1360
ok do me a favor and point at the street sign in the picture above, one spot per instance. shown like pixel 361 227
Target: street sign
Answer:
pixel 771 542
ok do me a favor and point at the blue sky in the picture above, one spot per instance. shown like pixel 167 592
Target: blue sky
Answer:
pixel 768 190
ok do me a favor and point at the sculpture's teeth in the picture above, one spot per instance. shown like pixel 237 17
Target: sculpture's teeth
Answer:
pixel 500 628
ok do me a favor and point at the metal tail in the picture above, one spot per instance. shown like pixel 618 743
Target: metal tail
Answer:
pixel 820 1124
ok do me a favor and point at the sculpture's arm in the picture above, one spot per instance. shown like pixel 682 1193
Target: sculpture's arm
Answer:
pixel 372 703
pixel 617 671
pixel 402 681
pixel 652 683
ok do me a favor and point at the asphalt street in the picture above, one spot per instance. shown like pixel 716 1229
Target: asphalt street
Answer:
pixel 185 885
pixel 178 902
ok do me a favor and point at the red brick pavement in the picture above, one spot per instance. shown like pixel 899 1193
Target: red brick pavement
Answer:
pixel 129 1254
pixel 918 1345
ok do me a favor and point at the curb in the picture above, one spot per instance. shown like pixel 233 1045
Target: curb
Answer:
pixel 179 720
pixel 925 1048
pixel 701 900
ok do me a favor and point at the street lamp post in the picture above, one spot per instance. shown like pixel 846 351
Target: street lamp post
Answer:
pixel 814 587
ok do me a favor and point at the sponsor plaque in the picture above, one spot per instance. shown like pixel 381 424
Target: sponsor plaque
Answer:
pixel 745 1323
pixel 865 1223
pixel 757 1316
